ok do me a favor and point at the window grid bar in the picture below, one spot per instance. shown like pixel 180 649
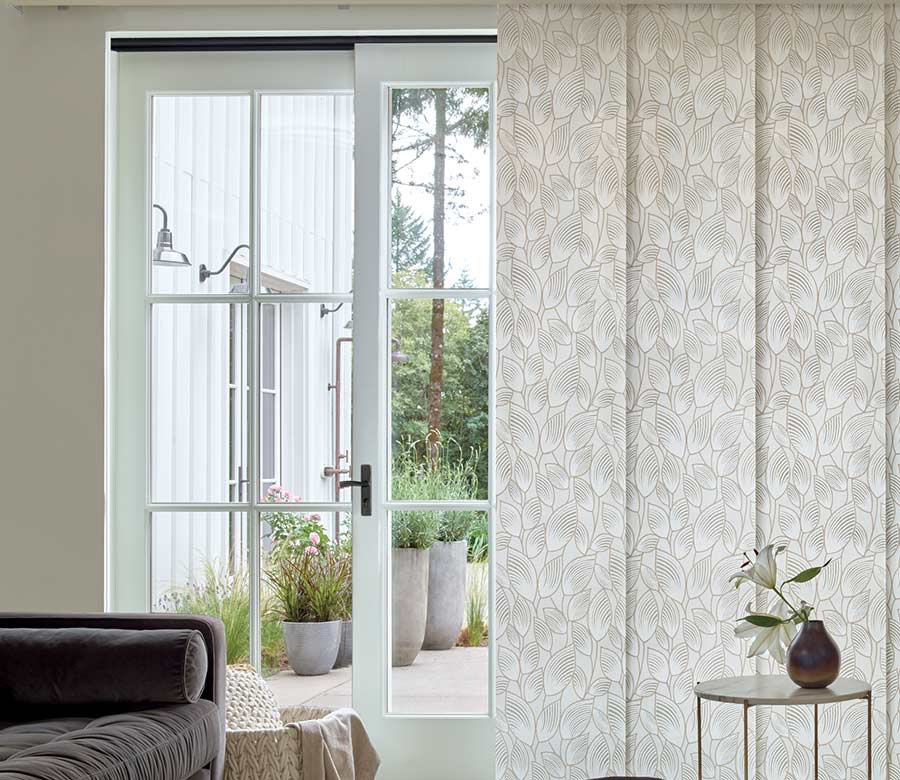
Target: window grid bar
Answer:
pixel 399 293
pixel 431 506
pixel 238 298
pixel 253 543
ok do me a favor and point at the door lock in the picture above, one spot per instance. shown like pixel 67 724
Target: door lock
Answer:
pixel 364 483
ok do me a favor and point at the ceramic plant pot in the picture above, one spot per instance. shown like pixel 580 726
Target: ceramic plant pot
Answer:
pixel 312 648
pixel 813 659
pixel 409 603
pixel 446 594
pixel 345 653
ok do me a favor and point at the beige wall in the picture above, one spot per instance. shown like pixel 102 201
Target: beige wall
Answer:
pixel 51 274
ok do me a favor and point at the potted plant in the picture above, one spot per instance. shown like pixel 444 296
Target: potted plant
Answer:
pixel 412 534
pixel 345 653
pixel 447 581
pixel 310 593
pixel 812 658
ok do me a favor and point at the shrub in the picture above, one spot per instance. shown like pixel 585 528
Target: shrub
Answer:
pixel 314 587
pixel 226 595
pixel 439 478
pixel 291 532
pixel 478 540
pixel 475 632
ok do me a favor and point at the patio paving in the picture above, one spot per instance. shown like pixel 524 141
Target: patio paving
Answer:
pixel 440 681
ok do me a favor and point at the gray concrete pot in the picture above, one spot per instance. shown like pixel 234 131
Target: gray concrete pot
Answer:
pixel 345 653
pixel 446 594
pixel 409 603
pixel 312 647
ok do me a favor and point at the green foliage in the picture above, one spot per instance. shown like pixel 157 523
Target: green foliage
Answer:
pixel 311 588
pixel 478 539
pixel 410 246
pixel 449 476
pixel 475 632
pixel 227 596
pixel 416 530
pixel 464 415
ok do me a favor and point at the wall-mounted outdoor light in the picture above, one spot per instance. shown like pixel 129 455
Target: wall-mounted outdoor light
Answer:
pixel 163 254
pixel 205 273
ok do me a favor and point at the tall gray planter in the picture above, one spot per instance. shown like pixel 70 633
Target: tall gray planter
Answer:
pixel 446 594
pixel 409 603
pixel 312 648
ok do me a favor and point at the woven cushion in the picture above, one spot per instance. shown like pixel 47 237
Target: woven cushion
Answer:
pixel 249 702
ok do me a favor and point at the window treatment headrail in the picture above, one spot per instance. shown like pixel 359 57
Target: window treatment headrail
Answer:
pixel 282 42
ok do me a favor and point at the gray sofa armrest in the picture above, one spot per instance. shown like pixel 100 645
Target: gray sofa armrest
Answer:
pixel 211 629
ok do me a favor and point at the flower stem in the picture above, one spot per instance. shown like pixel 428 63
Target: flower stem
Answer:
pixel 791 606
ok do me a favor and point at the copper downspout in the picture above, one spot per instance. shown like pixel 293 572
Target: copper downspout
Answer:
pixel 336 471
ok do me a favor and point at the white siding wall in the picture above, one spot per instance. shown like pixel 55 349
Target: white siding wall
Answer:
pixel 200 169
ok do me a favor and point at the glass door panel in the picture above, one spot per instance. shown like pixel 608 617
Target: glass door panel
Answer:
pixel 422 401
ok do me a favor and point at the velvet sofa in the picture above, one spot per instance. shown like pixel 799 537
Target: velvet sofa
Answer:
pixel 111 697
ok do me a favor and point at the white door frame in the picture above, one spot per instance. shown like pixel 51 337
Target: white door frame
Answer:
pixel 441 746
pixel 454 746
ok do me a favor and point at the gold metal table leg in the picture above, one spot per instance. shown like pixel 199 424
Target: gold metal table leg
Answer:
pixel 869 734
pixel 699 743
pixel 746 742
pixel 816 741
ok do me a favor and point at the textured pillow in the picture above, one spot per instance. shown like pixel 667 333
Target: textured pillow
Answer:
pixel 249 702
pixel 78 666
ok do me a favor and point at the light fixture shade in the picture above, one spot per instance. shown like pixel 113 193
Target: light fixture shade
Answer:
pixel 164 254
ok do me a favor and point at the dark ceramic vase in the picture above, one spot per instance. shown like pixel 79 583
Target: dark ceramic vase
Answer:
pixel 813 659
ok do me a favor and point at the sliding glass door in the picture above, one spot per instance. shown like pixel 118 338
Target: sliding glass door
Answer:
pixel 302 285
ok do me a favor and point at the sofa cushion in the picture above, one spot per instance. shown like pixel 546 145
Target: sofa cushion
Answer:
pixel 164 743
pixel 86 666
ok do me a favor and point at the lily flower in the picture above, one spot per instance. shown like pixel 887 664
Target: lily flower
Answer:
pixel 764 572
pixel 772 632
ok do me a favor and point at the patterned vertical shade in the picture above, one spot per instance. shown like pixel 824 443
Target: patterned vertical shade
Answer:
pixel 698 257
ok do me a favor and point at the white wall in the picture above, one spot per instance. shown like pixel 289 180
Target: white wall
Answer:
pixel 51 223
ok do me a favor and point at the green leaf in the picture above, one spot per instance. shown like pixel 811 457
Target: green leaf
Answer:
pixel 807 574
pixel 763 621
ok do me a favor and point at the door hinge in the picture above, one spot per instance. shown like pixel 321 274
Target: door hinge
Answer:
pixel 364 483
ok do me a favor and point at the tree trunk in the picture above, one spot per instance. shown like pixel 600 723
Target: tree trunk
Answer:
pixel 436 378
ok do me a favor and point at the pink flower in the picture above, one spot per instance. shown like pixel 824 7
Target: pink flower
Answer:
pixel 312 550
pixel 314 538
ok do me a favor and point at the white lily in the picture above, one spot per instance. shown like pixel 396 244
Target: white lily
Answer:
pixel 773 639
pixel 763 572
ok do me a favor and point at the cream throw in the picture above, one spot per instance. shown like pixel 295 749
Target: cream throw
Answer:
pixel 337 747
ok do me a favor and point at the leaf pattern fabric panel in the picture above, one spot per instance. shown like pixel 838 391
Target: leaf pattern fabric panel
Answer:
pixel 560 549
pixel 891 638
pixel 821 325
pixel 698 345
pixel 690 395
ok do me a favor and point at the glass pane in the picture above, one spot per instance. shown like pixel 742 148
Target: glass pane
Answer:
pixel 199 566
pixel 440 187
pixel 288 539
pixel 305 415
pixel 198 443
pixel 200 192
pixel 439 613
pixel 306 192
pixel 439 399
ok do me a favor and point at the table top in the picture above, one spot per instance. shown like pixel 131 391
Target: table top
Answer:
pixel 779 690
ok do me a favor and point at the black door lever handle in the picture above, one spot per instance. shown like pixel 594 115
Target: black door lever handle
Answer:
pixel 364 483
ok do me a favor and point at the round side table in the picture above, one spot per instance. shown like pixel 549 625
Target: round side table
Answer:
pixel 779 691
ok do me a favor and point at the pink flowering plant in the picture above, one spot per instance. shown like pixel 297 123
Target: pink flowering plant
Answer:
pixel 292 533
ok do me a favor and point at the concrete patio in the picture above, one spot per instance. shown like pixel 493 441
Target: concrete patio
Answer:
pixel 445 681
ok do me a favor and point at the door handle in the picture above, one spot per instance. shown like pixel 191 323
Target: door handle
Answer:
pixel 364 483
